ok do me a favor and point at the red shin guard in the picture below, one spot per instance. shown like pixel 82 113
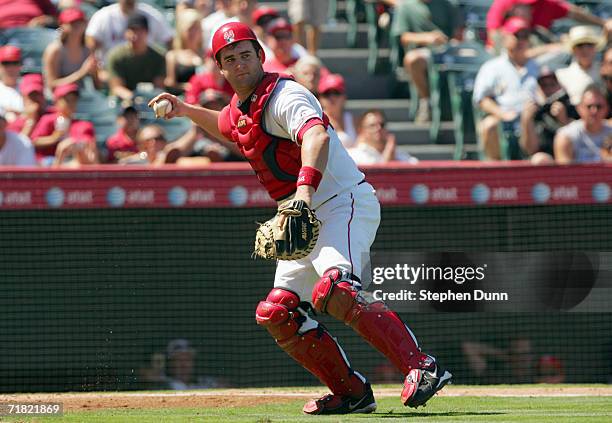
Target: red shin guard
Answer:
pixel 314 349
pixel 335 294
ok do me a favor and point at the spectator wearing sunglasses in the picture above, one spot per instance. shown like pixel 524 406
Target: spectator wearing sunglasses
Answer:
pixel 332 95
pixel 279 38
pixel 11 100
pixel 584 42
pixel 504 85
pixel 588 139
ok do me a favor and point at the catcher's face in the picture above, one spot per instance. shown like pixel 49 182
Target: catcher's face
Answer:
pixel 241 65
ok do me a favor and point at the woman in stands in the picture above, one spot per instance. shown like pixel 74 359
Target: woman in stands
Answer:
pixel 68 60
pixel 186 56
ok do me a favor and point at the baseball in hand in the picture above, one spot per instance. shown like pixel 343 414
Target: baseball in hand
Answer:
pixel 162 108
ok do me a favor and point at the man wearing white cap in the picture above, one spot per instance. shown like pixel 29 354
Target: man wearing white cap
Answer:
pixel 584 42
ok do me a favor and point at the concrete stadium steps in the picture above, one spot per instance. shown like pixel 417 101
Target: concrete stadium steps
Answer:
pixel 348 60
pixel 435 151
pixel 334 36
pixel 396 109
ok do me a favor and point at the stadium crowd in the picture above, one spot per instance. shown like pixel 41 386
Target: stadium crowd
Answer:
pixel 76 75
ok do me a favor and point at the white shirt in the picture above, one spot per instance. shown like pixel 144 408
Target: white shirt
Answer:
pixel 289 108
pixel 17 151
pixel 575 79
pixel 509 86
pixel 364 154
pixel 10 99
pixel 108 26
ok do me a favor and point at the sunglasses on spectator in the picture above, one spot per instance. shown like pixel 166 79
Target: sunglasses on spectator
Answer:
pixel 331 93
pixel 282 35
pixel 581 45
pixel 607 78
pixel 156 138
pixel 522 35
pixel 12 63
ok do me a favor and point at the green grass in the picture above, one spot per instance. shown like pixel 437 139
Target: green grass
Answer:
pixel 440 409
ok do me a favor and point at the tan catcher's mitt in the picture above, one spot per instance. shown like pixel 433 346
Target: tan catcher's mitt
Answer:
pixel 290 235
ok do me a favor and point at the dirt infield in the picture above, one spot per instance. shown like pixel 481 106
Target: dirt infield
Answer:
pixel 250 397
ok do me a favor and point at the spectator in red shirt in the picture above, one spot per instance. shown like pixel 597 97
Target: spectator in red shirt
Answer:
pixel 18 13
pixel 34 104
pixel 541 13
pixel 123 142
pixel 59 126
pixel 279 37
pixel 211 78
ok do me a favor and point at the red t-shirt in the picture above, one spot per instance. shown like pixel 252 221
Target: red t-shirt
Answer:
pixel 120 141
pixel 15 13
pixel 275 66
pixel 200 82
pixel 79 130
pixel 544 12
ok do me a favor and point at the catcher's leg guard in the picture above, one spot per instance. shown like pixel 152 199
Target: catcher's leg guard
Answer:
pixel 308 343
pixel 340 296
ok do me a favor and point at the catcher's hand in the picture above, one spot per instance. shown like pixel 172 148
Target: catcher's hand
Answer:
pixel 290 235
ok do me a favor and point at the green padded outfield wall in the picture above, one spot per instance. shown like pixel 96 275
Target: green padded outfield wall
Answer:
pixel 89 295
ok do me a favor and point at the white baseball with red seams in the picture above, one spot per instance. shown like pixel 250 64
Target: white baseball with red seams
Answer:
pixel 162 108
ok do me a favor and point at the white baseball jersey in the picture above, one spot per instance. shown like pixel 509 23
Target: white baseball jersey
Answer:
pixel 290 107
pixel 347 206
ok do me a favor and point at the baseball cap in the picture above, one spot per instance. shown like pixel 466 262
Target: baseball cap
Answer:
pixel 332 82
pixel 83 131
pixel 515 24
pixel 278 24
pixel 10 54
pixel 137 21
pixel 71 15
pixel 177 346
pixel 231 33
pixel 32 82
pixel 63 90
pixel 264 12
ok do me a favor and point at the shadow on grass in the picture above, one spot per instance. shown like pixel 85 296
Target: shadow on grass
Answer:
pixel 394 414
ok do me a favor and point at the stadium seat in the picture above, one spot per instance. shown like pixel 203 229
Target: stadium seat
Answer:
pixel 463 60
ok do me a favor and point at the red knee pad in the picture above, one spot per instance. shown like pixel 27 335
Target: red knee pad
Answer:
pixel 334 295
pixel 277 314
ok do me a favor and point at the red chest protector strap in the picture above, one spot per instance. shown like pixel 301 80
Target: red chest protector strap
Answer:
pixel 276 161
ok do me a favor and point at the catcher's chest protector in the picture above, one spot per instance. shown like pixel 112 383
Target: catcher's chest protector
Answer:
pixel 276 161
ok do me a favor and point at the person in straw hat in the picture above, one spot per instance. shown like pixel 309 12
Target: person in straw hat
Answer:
pixel 584 41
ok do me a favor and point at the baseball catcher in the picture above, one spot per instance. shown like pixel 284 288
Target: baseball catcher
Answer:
pixel 326 222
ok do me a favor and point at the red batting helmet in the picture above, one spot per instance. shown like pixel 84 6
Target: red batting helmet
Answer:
pixel 230 33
